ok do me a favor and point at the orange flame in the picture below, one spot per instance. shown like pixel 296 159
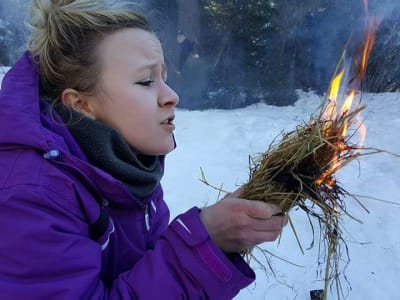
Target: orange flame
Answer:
pixel 346 91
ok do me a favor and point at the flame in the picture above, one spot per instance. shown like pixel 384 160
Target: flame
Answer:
pixel 346 91
pixel 330 111
pixel 372 25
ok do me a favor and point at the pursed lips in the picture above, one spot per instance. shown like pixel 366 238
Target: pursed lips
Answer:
pixel 169 122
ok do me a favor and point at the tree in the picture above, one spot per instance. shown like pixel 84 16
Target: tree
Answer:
pixel 251 51
pixel 236 36
pixel 383 73
pixel 12 30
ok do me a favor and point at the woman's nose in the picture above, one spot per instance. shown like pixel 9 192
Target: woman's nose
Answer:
pixel 168 96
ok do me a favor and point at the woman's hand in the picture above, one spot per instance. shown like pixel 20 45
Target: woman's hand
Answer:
pixel 236 224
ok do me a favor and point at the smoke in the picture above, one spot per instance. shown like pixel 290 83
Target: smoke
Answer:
pixel 384 8
pixel 329 28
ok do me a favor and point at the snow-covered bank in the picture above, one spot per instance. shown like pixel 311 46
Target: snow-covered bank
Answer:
pixel 220 143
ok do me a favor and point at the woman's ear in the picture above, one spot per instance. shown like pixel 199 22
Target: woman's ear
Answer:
pixel 74 100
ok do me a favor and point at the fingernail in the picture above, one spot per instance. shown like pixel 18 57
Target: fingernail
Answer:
pixel 279 214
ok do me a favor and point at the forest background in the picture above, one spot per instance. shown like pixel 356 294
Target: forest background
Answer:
pixel 251 51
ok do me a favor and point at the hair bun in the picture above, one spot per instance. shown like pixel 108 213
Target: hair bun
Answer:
pixel 64 35
pixel 38 25
pixel 48 20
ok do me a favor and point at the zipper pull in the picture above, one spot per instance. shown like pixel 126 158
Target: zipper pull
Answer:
pixel 52 154
pixel 147 217
pixel 104 202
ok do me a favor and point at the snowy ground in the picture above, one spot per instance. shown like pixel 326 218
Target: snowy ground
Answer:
pixel 220 142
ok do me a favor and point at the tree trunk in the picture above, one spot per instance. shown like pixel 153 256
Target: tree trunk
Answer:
pixel 189 18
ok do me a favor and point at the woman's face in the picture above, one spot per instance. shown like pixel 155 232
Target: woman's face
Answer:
pixel 133 97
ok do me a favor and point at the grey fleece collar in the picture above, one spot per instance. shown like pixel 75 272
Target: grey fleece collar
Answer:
pixel 107 149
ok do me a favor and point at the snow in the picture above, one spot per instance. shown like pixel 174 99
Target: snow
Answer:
pixel 220 142
pixel 3 71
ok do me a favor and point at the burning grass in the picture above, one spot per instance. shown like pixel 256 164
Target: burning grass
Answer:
pixel 301 167
pixel 299 170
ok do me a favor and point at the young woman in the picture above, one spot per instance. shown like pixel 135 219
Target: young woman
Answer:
pixel 86 118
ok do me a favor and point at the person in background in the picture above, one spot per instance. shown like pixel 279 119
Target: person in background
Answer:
pixel 186 48
pixel 86 120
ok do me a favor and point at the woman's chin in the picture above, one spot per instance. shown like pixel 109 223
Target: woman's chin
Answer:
pixel 165 149
pixel 169 149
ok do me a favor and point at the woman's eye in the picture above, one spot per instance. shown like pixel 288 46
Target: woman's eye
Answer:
pixel 146 82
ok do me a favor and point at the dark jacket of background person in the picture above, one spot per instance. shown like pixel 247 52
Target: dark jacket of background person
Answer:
pixel 186 47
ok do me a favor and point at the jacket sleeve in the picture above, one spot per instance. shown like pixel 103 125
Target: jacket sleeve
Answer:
pixel 46 254
pixel 188 264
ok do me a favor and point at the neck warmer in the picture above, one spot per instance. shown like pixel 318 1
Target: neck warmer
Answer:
pixel 108 150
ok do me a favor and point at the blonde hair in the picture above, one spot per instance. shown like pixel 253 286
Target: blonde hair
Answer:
pixel 64 39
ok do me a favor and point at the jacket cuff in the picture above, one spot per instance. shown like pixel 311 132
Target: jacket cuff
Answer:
pixel 231 275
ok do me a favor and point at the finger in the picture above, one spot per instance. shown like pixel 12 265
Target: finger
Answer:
pixel 259 237
pixel 261 210
pixel 272 224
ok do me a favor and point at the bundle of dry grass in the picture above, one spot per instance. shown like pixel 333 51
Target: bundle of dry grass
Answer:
pixel 302 165
pixel 299 170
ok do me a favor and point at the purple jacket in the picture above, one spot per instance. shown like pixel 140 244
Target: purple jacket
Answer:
pixel 48 199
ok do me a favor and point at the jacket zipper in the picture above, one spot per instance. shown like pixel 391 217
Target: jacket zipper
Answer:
pixel 147 217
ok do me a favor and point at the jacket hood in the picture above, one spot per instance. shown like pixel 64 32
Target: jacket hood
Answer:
pixel 24 119
pixel 19 110
pixel 26 122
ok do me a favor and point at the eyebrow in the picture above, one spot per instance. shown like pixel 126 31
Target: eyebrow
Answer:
pixel 152 66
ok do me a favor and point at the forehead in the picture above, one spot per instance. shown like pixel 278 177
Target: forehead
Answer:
pixel 130 47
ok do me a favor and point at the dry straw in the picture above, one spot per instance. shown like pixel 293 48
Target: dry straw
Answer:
pixel 299 170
